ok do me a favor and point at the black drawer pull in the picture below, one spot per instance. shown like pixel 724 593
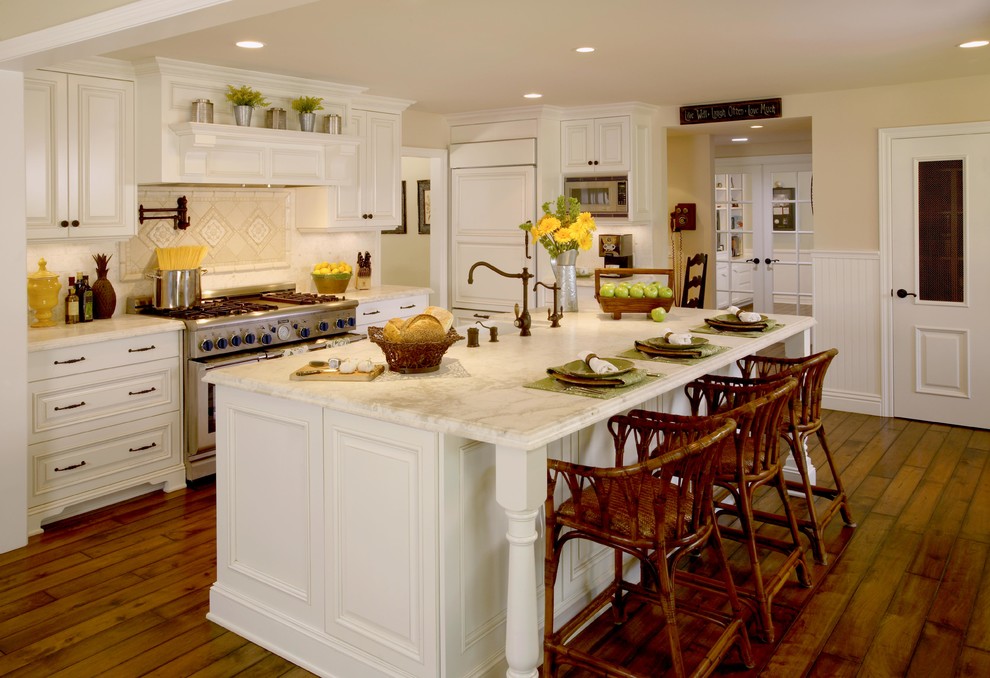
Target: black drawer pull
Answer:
pixel 70 407
pixel 141 449
pixel 370 312
pixel 409 306
pixel 147 390
pixel 69 361
pixel 70 467
pixel 138 350
pixel 481 315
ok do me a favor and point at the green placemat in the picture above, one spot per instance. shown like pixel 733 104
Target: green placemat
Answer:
pixel 707 351
pixel 601 392
pixel 771 326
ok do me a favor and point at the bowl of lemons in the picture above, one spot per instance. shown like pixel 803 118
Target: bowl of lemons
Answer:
pixel 331 277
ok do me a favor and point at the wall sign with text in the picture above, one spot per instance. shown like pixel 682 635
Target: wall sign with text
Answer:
pixel 735 110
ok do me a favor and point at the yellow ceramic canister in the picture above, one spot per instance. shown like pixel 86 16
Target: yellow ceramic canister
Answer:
pixel 43 287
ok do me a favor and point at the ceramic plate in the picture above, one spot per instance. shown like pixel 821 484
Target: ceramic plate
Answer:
pixel 662 343
pixel 730 319
pixel 579 368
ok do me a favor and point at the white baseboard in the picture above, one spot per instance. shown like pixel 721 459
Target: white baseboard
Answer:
pixel 857 403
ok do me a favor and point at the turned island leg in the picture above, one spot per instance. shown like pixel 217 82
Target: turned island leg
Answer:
pixel 520 488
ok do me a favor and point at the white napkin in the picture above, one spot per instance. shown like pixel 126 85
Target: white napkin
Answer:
pixel 678 338
pixel 597 365
pixel 744 316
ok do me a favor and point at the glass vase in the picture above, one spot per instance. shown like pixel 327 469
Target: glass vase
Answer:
pixel 566 275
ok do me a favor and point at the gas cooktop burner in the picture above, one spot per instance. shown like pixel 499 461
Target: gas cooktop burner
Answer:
pixel 305 298
pixel 214 308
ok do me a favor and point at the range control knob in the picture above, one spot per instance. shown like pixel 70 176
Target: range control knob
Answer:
pixel 304 332
pixel 221 343
pixel 351 322
pixel 250 338
pixel 235 341
pixel 323 326
pixel 266 338
pixel 341 323
pixel 206 345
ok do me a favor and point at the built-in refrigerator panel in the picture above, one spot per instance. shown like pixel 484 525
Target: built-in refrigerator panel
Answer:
pixel 487 206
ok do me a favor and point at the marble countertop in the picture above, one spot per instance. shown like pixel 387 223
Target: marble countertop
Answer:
pixel 383 292
pixel 487 401
pixel 118 327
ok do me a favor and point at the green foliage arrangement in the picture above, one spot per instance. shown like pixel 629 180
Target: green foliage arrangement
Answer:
pixel 245 96
pixel 307 104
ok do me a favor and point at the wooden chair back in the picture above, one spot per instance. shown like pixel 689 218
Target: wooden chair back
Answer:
pixel 695 276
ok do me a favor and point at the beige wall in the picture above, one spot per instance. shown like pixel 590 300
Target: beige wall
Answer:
pixel 689 180
pixel 845 152
pixel 845 126
pixel 424 130
pixel 21 17
pixel 406 256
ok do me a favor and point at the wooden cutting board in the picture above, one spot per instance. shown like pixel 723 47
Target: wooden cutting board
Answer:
pixel 334 375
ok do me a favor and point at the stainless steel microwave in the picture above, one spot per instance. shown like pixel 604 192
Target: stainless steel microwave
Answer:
pixel 602 196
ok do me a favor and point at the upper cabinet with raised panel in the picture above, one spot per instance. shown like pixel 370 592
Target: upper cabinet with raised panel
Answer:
pixel 373 199
pixel 595 145
pixel 79 156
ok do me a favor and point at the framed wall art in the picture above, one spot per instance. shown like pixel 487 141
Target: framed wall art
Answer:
pixel 423 186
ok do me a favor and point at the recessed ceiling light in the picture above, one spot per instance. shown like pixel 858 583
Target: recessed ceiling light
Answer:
pixel 975 43
pixel 532 95
pixel 740 138
pixel 250 44
pixel 756 126
pixel 584 50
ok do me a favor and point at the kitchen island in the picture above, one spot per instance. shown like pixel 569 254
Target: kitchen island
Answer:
pixel 389 528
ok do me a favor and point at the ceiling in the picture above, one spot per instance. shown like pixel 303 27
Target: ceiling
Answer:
pixel 452 56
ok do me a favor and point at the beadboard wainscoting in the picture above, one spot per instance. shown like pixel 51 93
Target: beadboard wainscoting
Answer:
pixel 847 308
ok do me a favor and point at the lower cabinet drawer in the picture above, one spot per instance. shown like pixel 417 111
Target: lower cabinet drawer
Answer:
pixel 378 313
pixel 70 405
pixel 95 459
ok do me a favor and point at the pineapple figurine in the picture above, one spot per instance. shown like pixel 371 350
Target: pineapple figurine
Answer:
pixel 104 296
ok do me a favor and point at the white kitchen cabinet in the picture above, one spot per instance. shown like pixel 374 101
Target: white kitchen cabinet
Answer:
pixel 379 312
pixel 79 156
pixel 595 145
pixel 105 419
pixel 373 200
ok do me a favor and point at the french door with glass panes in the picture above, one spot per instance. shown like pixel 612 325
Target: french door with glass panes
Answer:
pixel 764 234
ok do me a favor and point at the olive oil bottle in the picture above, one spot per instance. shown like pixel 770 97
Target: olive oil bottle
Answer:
pixel 71 303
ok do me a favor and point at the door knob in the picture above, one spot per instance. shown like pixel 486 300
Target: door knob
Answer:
pixel 755 260
pixel 769 261
pixel 901 293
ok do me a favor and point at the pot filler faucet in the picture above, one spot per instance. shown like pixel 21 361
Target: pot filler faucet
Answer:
pixel 522 321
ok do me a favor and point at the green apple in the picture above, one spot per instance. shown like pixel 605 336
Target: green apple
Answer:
pixel 651 291
pixel 666 292
pixel 624 284
pixel 658 314
pixel 607 290
pixel 637 291
pixel 622 292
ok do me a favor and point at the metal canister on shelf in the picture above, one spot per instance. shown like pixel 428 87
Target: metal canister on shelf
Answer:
pixel 202 110
pixel 275 118
pixel 331 123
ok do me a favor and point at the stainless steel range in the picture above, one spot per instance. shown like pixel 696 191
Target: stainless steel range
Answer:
pixel 246 324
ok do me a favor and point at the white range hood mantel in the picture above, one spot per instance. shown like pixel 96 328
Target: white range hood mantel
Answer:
pixel 228 154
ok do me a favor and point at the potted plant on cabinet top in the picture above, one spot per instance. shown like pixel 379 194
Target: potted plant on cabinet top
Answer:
pixel 307 107
pixel 244 100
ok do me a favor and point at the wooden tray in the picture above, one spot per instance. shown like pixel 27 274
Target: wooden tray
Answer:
pixel 334 375
pixel 618 306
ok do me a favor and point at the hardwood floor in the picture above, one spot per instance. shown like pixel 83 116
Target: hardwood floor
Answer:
pixel 124 591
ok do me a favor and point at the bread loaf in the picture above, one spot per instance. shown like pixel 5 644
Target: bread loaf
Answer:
pixel 422 328
pixel 445 317
pixel 393 330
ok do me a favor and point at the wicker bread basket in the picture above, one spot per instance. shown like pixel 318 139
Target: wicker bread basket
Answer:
pixel 617 306
pixel 412 358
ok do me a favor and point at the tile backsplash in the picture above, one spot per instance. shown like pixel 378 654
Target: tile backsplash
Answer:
pixel 249 232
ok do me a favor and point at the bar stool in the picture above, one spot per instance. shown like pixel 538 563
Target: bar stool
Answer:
pixel 807 419
pixel 656 510
pixel 753 461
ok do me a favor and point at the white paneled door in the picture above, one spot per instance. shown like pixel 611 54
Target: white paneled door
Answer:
pixel 940 281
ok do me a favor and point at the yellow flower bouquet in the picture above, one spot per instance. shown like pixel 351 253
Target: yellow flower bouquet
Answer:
pixel 565 228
